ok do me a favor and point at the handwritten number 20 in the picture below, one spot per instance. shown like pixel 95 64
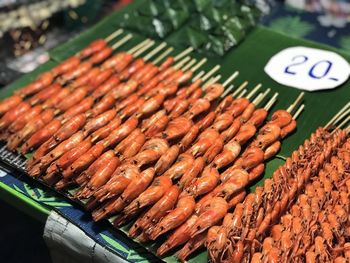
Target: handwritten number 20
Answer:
pixel 299 60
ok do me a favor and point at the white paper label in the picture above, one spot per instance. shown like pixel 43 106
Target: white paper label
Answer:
pixel 308 68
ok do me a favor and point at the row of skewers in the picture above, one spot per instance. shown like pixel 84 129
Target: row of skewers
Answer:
pixel 146 142
pixel 301 213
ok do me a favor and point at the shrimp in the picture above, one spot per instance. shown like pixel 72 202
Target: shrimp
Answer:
pixel 245 133
pixel 210 215
pixel 66 65
pixel 99 178
pixel 151 151
pixel 101 161
pixel 22 120
pixel 224 104
pixel 166 160
pixel 231 131
pixel 177 128
pixel 41 136
pixel 286 130
pixel 205 140
pixel 73 98
pixel 13 114
pixel 229 154
pixel 189 138
pixel 272 150
pixel 238 106
pixel 178 237
pixel 104 131
pixel 127 102
pixel 214 150
pixel 222 122
pixel 81 107
pixel 124 89
pixel 44 80
pixel 176 217
pixel 200 106
pixel 258 117
pixel 151 105
pixel 206 120
pixel 132 109
pixel 44 95
pixel 192 173
pixel 252 156
pixel 149 197
pixel 9 103
pixel 233 183
pixel 192 245
pixel 157 211
pixel 157 127
pixel 213 91
pixel 30 128
pixel 103 89
pixel 98 122
pixel 183 163
pixel 149 122
pixel 281 118
pixel 121 132
pixel 134 147
pixel 119 149
pixel 56 153
pixel 267 135
pixel 83 162
pixel 106 103
pixel 205 183
pixel 134 189
pixel 179 109
pixel 54 100
pixel 118 182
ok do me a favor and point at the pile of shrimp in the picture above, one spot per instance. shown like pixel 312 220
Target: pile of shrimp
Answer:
pixel 142 142
pixel 288 219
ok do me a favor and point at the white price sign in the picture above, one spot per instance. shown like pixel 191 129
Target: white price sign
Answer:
pixel 308 68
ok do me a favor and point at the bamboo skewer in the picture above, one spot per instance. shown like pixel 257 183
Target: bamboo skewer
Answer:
pixel 296 102
pixel 114 35
pixel 121 42
pixel 257 87
pixel 337 115
pixel 183 53
pixel 155 51
pixel 161 57
pixel 240 88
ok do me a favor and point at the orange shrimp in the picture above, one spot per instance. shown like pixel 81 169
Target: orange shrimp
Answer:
pixel 149 197
pixel 233 183
pixel 258 117
pixel 22 120
pixel 288 129
pixel 281 118
pixel 66 65
pixel 166 160
pixel 205 140
pixel 231 131
pixel 127 102
pixel 236 199
pixel 179 109
pixel 134 189
pixel 9 103
pixel 67 159
pixel 99 121
pixel 149 122
pixel 99 178
pixel 157 127
pixel 207 120
pixel 177 128
pixel 213 91
pixel 192 173
pixel 83 162
pixel 44 95
pixel 132 109
pixel 85 78
pixel 119 149
pixel 245 133
pixel 252 156
pixel 200 106
pixel 192 245
pixel 272 150
pixel 210 215
pixel 176 217
pixel 157 211
pixel 151 105
pixel 247 113
pixel 195 95
pixel 151 151
pixel 121 132
pixel 238 106
pixel 135 66
pixel 222 122
pixel 56 153
pixel 101 161
pixel 255 172
pixel 189 138
pixel 118 182
pixel 103 89
pixel 230 152
pixel 214 150
pixel 81 107
pixel 30 128
pixel 124 89
pixel 13 114
pixel 134 147
pixel 104 131
pixel 73 98
pixel 115 60
pixel 178 237
pixel 54 100
pixel 205 183
pixel 267 135
pixel 106 103
pixel 224 104
pixel 101 55
pixel 44 80
pixel 41 136
pixel 92 48
pixel 100 78
pixel 184 162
